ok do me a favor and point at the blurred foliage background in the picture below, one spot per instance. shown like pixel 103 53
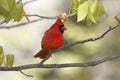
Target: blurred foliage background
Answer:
pixel 24 42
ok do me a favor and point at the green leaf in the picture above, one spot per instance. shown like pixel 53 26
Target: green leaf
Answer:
pixel 82 11
pixel 3 12
pixel 4 4
pixel 89 22
pixel 79 1
pixel 18 12
pixel 9 60
pixel 1 17
pixel 90 12
pixel 95 9
pixel 1 55
pixel 74 3
pixel 9 9
pixel 12 4
pixel 101 8
pixel 9 16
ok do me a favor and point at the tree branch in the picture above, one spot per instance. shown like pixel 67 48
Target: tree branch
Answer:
pixel 90 39
pixel 92 63
pixel 25 23
pixel 18 25
pixel 81 42
pixel 43 17
pixel 66 65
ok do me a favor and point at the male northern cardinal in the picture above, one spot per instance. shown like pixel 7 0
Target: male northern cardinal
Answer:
pixel 52 39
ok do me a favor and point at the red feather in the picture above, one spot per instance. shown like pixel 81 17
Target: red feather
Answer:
pixel 52 39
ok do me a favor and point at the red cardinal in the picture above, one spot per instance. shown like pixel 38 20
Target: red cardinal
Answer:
pixel 52 39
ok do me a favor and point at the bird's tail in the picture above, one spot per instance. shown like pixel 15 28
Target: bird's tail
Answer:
pixel 42 54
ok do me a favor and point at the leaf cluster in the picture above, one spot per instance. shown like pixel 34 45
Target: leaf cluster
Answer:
pixel 8 59
pixel 9 10
pixel 88 11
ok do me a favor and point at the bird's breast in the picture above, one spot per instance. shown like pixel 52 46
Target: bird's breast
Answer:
pixel 52 40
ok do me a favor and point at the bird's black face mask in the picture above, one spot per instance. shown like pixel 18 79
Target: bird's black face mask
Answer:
pixel 62 28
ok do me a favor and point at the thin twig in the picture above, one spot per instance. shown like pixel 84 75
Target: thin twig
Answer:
pixel 66 65
pixel 44 17
pixel 25 74
pixel 25 23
